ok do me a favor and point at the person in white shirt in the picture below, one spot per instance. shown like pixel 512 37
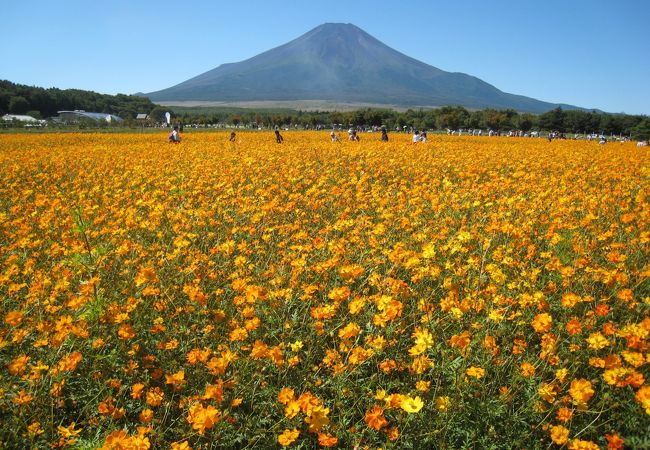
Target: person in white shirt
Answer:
pixel 417 137
pixel 174 137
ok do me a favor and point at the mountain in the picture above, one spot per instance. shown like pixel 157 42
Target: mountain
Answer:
pixel 341 62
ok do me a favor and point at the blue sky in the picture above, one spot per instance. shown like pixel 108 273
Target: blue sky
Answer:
pixel 589 53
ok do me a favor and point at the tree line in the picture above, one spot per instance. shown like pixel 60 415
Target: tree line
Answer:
pixel 447 117
pixel 43 103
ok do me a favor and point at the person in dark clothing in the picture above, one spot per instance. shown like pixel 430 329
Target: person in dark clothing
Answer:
pixel 278 137
pixel 384 135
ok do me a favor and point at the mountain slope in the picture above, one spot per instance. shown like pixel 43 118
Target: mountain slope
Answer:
pixel 341 62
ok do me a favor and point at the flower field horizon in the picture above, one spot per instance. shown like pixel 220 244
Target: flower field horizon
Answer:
pixel 470 292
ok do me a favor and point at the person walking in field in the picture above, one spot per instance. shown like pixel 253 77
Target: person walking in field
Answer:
pixel 278 137
pixel 384 135
pixel 233 137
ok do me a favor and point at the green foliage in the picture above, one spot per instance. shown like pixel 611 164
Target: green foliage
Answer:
pixel 18 105
pixel 18 99
pixel 642 130
pixel 452 117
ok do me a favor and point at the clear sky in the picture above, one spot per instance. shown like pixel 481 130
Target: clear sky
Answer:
pixel 589 53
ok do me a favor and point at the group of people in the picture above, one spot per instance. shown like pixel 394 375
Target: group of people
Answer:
pixel 278 137
pixel 175 138
pixel 419 137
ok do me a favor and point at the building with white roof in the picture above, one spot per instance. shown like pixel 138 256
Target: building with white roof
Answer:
pixel 80 115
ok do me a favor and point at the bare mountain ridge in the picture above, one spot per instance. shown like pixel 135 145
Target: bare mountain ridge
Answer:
pixel 342 63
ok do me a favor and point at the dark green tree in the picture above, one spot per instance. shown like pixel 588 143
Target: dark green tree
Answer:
pixel 18 105
pixel 157 114
pixel 641 132
pixel 553 120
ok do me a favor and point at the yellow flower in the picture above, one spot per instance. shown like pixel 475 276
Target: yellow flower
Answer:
pixel 597 341
pixel 476 372
pixel 288 436
pixel 411 404
pixel 442 404
pixel 577 444
pixel 292 409
pixel 317 418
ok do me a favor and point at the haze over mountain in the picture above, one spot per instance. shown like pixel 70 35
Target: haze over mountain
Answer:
pixel 343 63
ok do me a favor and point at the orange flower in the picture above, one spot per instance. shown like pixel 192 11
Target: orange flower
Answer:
pixel 602 309
pixel 18 365
pixel 614 442
pixel 349 331
pixel 176 379
pixel 573 326
pixel 339 294
pixel 286 395
pixel 136 390
pixel 542 322
pixel 564 414
pixel 581 392
pixel 327 440
pixel 14 318
pixel 375 418
pixel 202 418
pixel 527 369
pixel 559 434
pixel 643 396
pixel 126 331
pixel 570 299
pixel 155 396
pixel 145 275
pixel 146 415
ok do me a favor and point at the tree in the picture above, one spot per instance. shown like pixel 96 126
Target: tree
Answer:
pixel 235 120
pixel 525 122
pixel 553 120
pixel 493 119
pixel 642 131
pixel 452 117
pixel 18 105
pixel 158 114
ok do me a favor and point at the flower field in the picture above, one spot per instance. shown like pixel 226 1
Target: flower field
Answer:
pixel 464 293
